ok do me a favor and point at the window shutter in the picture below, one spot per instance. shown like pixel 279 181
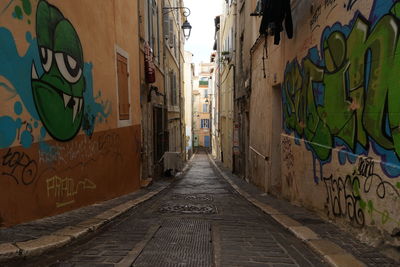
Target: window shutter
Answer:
pixel 174 90
pixel 171 33
pixel 171 88
pixel 166 26
pixel 123 85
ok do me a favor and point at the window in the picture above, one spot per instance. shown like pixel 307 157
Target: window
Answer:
pixel 203 82
pixel 123 87
pixel 205 123
pixel 205 108
pixel 173 89
pixel 205 93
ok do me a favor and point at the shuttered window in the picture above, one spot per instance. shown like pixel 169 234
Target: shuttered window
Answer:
pixel 123 87
pixel 205 123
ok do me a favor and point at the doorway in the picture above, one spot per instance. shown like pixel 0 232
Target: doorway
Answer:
pixel 207 141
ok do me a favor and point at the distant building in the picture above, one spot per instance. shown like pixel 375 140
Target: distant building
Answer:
pixel 189 74
pixel 201 106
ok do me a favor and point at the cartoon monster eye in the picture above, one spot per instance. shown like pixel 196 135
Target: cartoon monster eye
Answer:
pixel 68 67
pixel 46 56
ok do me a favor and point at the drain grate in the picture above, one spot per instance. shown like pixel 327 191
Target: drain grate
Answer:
pixel 193 197
pixel 189 208
pixel 182 242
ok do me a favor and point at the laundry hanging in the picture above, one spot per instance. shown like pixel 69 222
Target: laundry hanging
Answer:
pixel 274 13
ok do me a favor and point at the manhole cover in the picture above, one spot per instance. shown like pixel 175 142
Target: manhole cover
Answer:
pixel 189 208
pixel 194 197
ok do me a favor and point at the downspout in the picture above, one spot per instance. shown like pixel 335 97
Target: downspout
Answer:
pixel 180 96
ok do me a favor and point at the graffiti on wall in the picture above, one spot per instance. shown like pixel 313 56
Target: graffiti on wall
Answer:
pixel 53 85
pixel 19 166
pixel 288 159
pixel 58 91
pixel 353 197
pixel 346 94
pixel 66 188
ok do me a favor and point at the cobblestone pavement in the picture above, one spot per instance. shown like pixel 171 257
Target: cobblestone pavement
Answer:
pixel 328 231
pixel 199 221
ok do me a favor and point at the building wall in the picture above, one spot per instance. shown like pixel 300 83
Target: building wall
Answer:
pixel 151 99
pixel 339 137
pixel 202 84
pixel 174 56
pixel 246 33
pixel 52 163
pixel 227 81
pixel 188 82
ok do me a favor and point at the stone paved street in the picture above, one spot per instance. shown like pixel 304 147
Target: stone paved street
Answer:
pixel 199 221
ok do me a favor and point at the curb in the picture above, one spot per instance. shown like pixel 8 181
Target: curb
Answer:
pixel 63 237
pixel 332 253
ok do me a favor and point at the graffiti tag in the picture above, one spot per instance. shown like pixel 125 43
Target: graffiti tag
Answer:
pixel 20 167
pixel 60 188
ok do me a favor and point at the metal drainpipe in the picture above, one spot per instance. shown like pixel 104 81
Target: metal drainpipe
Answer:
pixel 180 94
pixel 234 101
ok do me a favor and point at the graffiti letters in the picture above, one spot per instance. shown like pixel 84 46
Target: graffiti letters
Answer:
pixel 20 167
pixel 351 198
pixel 61 188
pixel 315 17
pixel 83 150
pixel 343 198
pixel 373 180
pixel 348 96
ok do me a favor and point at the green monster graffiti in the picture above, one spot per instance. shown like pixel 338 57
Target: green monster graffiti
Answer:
pixel 352 93
pixel 58 93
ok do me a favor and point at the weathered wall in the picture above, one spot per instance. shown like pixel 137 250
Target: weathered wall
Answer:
pixel 340 141
pixel 60 145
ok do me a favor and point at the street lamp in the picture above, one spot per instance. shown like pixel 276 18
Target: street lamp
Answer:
pixel 186 27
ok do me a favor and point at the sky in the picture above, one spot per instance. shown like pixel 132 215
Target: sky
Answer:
pixel 202 16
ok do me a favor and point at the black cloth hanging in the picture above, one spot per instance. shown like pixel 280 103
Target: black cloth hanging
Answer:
pixel 274 13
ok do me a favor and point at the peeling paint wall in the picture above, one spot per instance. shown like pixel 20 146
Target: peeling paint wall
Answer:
pixel 60 145
pixel 340 134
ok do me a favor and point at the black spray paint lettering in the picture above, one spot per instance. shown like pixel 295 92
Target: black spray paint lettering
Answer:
pixel 19 166
pixel 343 198
pixel 365 169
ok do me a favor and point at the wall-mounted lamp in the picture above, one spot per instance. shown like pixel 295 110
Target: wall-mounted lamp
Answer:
pixel 186 27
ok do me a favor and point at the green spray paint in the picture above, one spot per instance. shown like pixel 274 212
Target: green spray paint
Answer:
pixel 350 94
pixel 58 93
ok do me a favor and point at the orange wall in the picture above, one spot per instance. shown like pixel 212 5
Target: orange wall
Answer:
pixel 40 174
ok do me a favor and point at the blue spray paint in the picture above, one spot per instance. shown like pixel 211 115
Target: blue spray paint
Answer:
pixel 10 61
pixel 94 111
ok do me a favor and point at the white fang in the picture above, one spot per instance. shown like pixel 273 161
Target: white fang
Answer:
pixel 75 108
pixel 34 73
pixel 67 98
pixel 80 104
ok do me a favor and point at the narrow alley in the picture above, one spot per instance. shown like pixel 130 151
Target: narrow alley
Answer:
pixel 199 133
pixel 198 221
